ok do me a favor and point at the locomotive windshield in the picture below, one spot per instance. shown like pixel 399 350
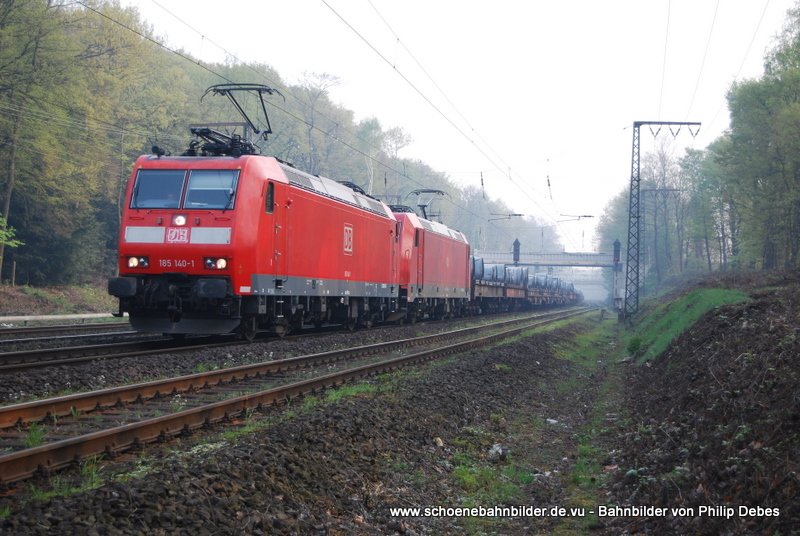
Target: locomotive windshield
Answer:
pixel 162 188
pixel 211 189
pixel 158 188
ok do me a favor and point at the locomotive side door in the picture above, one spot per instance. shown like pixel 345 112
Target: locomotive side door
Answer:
pixel 276 206
pixel 419 253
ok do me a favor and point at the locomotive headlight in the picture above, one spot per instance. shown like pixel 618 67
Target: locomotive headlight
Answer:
pixel 138 262
pixel 214 263
pixel 179 220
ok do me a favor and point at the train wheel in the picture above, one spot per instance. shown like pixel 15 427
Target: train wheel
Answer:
pixel 248 328
pixel 282 328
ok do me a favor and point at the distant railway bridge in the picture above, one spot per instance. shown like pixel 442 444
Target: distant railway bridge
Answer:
pixel 585 260
pixel 591 284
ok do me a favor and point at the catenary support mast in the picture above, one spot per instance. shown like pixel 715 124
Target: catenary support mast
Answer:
pixel 632 272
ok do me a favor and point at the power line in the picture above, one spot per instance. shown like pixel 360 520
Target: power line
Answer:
pixel 703 63
pixel 355 136
pixel 752 39
pixel 664 62
pixel 435 84
pixel 450 102
pixel 744 58
pixel 287 112
pixel 50 120
pixel 429 101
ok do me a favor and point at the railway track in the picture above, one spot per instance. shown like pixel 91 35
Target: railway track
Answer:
pixel 114 420
pixel 22 333
pixel 19 360
pixel 69 355
pixel 15 361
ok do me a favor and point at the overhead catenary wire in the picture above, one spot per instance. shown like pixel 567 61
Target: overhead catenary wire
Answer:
pixel 664 61
pixel 744 59
pixel 456 109
pixel 431 103
pixel 66 122
pixel 272 104
pixel 290 93
pixel 703 62
pixel 435 84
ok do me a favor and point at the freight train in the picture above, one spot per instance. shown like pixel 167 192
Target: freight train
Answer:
pixel 223 240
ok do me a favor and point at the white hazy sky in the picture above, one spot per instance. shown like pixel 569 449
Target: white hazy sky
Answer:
pixel 543 88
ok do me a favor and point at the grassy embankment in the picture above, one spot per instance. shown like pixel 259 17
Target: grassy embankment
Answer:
pixel 25 300
pixel 605 349
pixel 594 379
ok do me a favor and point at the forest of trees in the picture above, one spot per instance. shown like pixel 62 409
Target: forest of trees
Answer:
pixel 85 88
pixel 736 204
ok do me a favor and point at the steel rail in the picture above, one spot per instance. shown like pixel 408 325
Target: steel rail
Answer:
pixel 24 463
pixel 38 330
pixel 101 334
pixel 48 357
pixel 37 410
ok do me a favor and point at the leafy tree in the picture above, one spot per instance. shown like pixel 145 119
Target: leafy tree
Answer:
pixel 7 235
pixel 84 90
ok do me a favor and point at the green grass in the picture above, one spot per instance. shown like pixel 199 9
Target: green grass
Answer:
pixel 485 483
pixel 35 435
pixel 346 391
pixel 46 296
pixel 205 367
pixel 586 468
pixel 664 324
pixel 588 346
pixel 142 467
pixel 90 470
pixel 597 344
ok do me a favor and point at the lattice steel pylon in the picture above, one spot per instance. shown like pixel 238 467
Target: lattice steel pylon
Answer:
pixel 632 276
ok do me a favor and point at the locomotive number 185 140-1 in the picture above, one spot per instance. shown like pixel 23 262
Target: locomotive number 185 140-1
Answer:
pixel 176 263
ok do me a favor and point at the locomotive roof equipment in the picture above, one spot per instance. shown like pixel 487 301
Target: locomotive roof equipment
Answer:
pixel 220 144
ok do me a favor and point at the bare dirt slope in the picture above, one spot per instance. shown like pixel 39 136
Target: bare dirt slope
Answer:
pixel 715 422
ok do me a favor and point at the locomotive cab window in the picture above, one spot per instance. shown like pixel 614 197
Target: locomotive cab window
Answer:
pixel 211 189
pixel 269 202
pixel 158 188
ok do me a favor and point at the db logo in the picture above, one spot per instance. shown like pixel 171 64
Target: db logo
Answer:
pixel 177 235
pixel 348 239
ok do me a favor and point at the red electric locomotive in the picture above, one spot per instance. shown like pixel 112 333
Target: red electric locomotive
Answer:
pixel 214 244
pixel 434 267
